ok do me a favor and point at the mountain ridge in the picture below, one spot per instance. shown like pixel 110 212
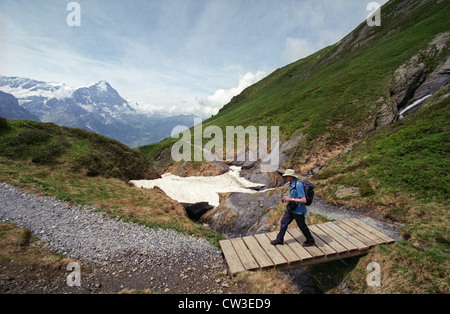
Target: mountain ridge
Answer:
pixel 97 108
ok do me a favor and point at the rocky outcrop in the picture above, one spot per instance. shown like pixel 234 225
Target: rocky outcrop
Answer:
pixel 344 192
pixel 269 179
pixel 387 112
pixel 241 214
pixel 417 78
pixel 204 169
pixel 408 77
pixel 436 81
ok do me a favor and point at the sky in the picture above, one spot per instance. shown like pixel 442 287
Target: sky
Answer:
pixel 170 56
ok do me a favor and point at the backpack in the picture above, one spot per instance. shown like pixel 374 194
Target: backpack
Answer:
pixel 309 192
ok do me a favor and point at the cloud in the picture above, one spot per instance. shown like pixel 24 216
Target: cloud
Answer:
pixel 174 56
pixel 211 105
pixel 298 48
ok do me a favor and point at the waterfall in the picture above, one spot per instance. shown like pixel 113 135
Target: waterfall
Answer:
pixel 414 104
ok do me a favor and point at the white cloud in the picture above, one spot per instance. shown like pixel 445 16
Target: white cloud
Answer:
pixel 298 48
pixel 170 56
pixel 211 105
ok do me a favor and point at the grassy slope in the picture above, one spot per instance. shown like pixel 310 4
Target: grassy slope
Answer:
pixel 408 159
pixel 317 93
pixel 402 170
pixel 85 168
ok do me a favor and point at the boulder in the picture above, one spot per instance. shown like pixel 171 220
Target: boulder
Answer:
pixel 344 192
pixel 242 214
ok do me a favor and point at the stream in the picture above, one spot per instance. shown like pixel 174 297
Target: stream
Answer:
pixel 194 191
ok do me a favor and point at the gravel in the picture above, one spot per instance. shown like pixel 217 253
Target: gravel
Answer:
pixel 83 233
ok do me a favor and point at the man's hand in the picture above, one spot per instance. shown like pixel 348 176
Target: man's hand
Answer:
pixel 297 200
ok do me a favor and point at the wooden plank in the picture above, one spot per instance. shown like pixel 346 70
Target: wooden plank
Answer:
pixel 339 248
pixel 234 263
pixel 336 257
pixel 258 253
pixel 358 232
pixel 271 251
pixel 385 239
pixel 334 241
pixel 244 254
pixel 300 238
pixel 345 234
pixel 297 247
pixel 285 250
pixel 324 247
pixel 343 241
pixel 363 231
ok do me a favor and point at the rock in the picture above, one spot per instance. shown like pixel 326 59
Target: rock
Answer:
pixel 437 80
pixel 408 78
pixel 197 210
pixel 413 80
pixel 344 192
pixel 241 214
pixel 387 112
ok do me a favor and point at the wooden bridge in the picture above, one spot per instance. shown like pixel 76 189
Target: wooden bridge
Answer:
pixel 334 240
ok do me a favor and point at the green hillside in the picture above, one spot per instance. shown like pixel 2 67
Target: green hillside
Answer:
pixel 331 96
pixel 85 168
pixel 75 149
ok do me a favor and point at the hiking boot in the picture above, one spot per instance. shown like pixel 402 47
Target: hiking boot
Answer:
pixel 308 243
pixel 276 242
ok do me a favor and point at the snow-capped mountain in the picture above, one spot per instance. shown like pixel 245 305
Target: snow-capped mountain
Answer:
pixel 98 108
pixel 10 109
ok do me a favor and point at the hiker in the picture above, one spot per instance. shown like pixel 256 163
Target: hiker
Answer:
pixel 296 210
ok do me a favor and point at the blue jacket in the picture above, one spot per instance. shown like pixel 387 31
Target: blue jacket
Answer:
pixel 296 190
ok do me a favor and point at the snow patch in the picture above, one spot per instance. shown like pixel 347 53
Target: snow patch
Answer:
pixel 200 189
pixel 102 86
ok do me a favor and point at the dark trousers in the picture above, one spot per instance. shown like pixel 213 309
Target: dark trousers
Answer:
pixel 286 221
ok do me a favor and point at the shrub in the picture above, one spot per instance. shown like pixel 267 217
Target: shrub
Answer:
pixel 3 124
pixel 47 155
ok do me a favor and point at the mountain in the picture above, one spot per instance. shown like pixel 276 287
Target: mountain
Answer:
pixel 10 109
pixel 97 108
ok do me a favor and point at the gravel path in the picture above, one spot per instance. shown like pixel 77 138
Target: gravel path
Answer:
pixel 164 261
pixel 124 255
